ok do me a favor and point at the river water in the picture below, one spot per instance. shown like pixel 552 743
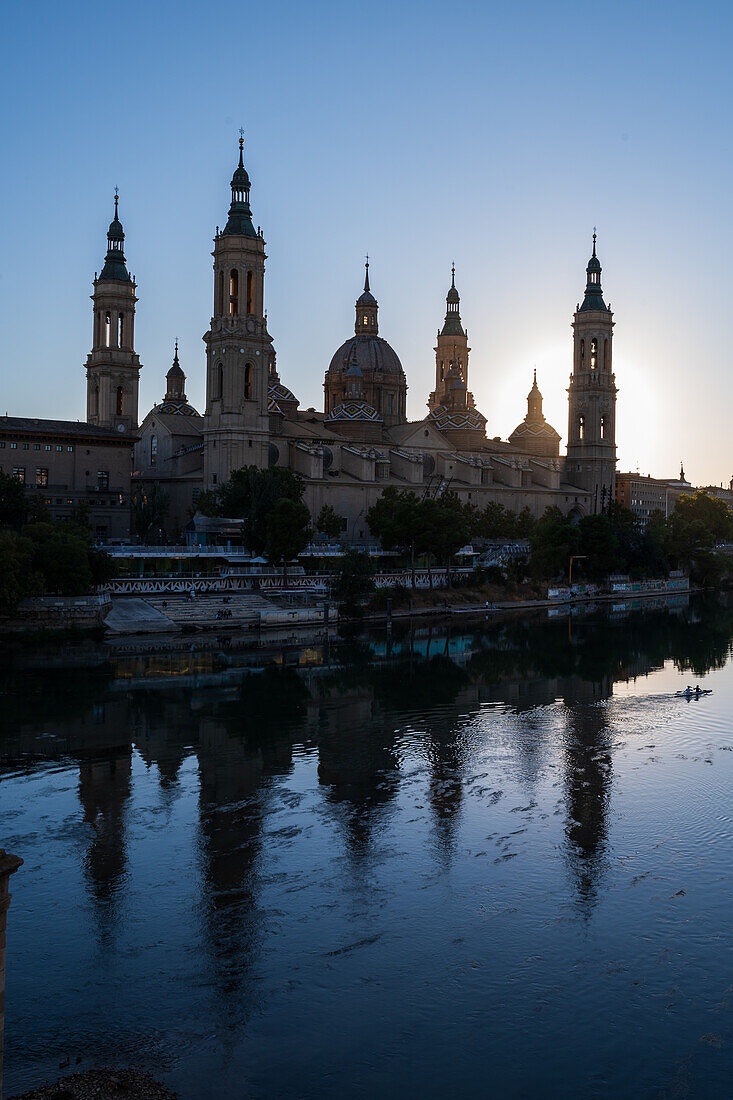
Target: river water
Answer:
pixel 467 860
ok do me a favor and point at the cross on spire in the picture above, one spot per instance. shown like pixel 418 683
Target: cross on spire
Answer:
pixel 366 277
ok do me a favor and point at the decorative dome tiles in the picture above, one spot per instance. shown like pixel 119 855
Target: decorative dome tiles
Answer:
pixel 354 410
pixel 457 419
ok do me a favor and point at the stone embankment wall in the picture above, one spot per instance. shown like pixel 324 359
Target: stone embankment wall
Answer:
pixel 59 613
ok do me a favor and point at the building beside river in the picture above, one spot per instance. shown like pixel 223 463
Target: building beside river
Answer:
pixel 348 452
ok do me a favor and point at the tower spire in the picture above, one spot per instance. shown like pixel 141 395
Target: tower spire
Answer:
pixel 366 276
pixel 593 293
pixel 239 222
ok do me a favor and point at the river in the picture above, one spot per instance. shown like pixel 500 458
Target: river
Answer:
pixel 466 859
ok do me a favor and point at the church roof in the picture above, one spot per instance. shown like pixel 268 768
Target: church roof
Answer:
pixel 353 410
pixel 71 428
pixel 177 408
pixel 453 419
pixel 277 392
pixel 369 354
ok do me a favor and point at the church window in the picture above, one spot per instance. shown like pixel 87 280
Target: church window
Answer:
pixel 218 380
pixel 233 292
pixel 581 427
pixel 220 295
pixel 120 330
pixel 248 382
pixel 250 292
pixel 390 401
pixel 120 401
pixel 603 427
pixel 366 319
pixel 582 354
pixel 107 327
pixel 95 403
pixel 442 370
pixel 153 450
pixel 606 360
pixel 593 354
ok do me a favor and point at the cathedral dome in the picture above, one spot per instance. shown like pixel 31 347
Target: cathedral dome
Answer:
pixel 463 420
pixel 353 410
pixel 369 353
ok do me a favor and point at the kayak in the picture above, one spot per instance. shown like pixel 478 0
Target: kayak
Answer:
pixel 689 693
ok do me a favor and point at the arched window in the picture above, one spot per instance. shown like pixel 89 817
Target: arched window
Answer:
pixel 250 293
pixel 120 330
pixel 153 450
pixel 120 403
pixel 581 427
pixel 606 360
pixel 366 319
pixel 603 427
pixel 582 354
pixel 442 370
pixel 233 292
pixel 95 401
pixel 390 404
pixel 107 328
pixel 220 295
pixel 248 382
pixel 218 380
pixel 593 354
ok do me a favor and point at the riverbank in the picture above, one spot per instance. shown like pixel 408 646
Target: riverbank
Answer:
pixel 102 1084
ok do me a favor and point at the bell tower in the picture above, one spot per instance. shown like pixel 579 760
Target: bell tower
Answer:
pixel 238 345
pixel 112 366
pixel 452 348
pixel 591 454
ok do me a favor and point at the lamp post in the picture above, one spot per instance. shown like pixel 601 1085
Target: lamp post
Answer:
pixel 574 557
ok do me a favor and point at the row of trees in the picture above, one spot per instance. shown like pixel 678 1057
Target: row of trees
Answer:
pixel 39 557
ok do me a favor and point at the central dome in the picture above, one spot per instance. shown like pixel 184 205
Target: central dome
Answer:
pixel 369 353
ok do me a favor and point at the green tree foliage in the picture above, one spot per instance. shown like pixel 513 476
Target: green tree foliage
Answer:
pixel 288 531
pixel 37 510
pixel 12 501
pixel 61 558
pixel 149 509
pixel 599 545
pixel 329 522
pixel 355 579
pixel 397 520
pixel 251 494
pixel 553 541
pixel 18 578
pixel 696 524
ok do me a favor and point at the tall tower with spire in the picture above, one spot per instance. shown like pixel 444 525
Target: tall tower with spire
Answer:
pixel 238 345
pixel 112 366
pixel 591 452
pixel 452 348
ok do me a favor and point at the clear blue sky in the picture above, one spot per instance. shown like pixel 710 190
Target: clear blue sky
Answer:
pixel 494 135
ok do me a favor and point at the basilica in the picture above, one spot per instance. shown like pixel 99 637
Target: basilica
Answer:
pixel 362 441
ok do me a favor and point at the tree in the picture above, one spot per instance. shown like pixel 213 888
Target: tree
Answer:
pixel 61 557
pixel 697 523
pixel 12 501
pixel 287 531
pixel 355 580
pixel 553 541
pixel 37 511
pixel 599 544
pixel 251 494
pixel 329 522
pixel 18 579
pixel 397 520
pixel 149 509
pixel 448 527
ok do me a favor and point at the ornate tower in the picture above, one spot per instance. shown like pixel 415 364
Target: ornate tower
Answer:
pixel 534 435
pixel 238 345
pixel 113 367
pixel 452 347
pixel 591 455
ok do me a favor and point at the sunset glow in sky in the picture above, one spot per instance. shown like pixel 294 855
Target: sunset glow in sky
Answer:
pixel 491 135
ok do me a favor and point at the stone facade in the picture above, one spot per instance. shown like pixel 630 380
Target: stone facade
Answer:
pixel 363 441
pixel 66 463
